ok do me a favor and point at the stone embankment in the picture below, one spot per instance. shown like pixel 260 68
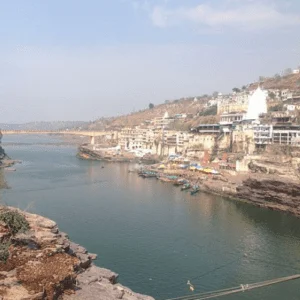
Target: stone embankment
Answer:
pixel 276 192
pixel 42 263
pixel 268 191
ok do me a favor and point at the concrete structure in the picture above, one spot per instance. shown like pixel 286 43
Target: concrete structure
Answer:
pixel 286 135
pixel 230 118
pixel 243 140
pixel 263 134
pixel 207 129
pixel 232 106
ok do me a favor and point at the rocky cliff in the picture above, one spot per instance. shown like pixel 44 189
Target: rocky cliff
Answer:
pixel 272 192
pixel 37 261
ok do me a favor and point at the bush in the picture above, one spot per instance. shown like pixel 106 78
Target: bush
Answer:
pixel 14 221
pixel 278 107
pixel 211 111
pixel 4 253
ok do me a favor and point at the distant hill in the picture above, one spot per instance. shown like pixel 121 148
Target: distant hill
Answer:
pixel 56 125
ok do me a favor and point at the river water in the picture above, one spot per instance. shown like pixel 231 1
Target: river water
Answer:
pixel 155 236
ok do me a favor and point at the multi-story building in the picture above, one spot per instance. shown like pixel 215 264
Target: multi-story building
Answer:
pixel 230 118
pixel 263 134
pixel 286 135
pixel 207 129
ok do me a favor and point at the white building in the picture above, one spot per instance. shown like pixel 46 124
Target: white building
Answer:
pixel 257 104
pixel 163 122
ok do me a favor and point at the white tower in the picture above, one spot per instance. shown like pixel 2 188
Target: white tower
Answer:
pixel 257 104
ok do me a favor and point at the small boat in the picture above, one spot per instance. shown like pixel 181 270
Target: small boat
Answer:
pixel 180 182
pixel 185 187
pixel 10 169
pixel 195 190
pixel 147 174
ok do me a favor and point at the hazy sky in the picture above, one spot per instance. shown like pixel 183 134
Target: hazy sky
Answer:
pixel 82 59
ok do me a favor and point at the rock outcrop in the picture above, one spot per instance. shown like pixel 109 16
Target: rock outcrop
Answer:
pixel 42 263
pixel 273 192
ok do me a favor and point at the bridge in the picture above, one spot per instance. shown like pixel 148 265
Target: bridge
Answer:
pixel 91 134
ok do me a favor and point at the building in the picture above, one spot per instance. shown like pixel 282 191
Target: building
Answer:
pixel 207 129
pixel 262 134
pixel 284 94
pixel 230 118
pixel 286 135
pixel 163 122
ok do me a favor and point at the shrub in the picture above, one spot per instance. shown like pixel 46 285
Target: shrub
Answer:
pixel 4 253
pixel 14 221
pixel 210 111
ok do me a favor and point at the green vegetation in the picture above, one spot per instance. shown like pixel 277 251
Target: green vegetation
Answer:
pixel 272 95
pixel 278 107
pixel 236 90
pixel 210 111
pixel 277 76
pixel 151 105
pixel 180 126
pixel 14 221
pixel 287 72
pixel 4 253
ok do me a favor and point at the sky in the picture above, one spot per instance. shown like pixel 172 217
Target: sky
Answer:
pixel 85 59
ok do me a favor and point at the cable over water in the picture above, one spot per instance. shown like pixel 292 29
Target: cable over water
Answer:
pixel 237 289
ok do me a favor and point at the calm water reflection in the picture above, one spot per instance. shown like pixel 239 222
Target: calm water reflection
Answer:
pixel 155 236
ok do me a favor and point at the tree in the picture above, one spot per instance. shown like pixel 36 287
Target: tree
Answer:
pixel 244 87
pixel 151 105
pixel 272 95
pixel 277 76
pixel 215 94
pixel 210 111
pixel 287 72
pixel 261 78
pixel 236 90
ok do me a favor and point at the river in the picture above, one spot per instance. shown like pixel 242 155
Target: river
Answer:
pixel 155 236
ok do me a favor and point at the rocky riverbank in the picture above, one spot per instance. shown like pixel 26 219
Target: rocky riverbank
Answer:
pixel 37 261
pixel 272 181
pixel 84 152
pixel 270 191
